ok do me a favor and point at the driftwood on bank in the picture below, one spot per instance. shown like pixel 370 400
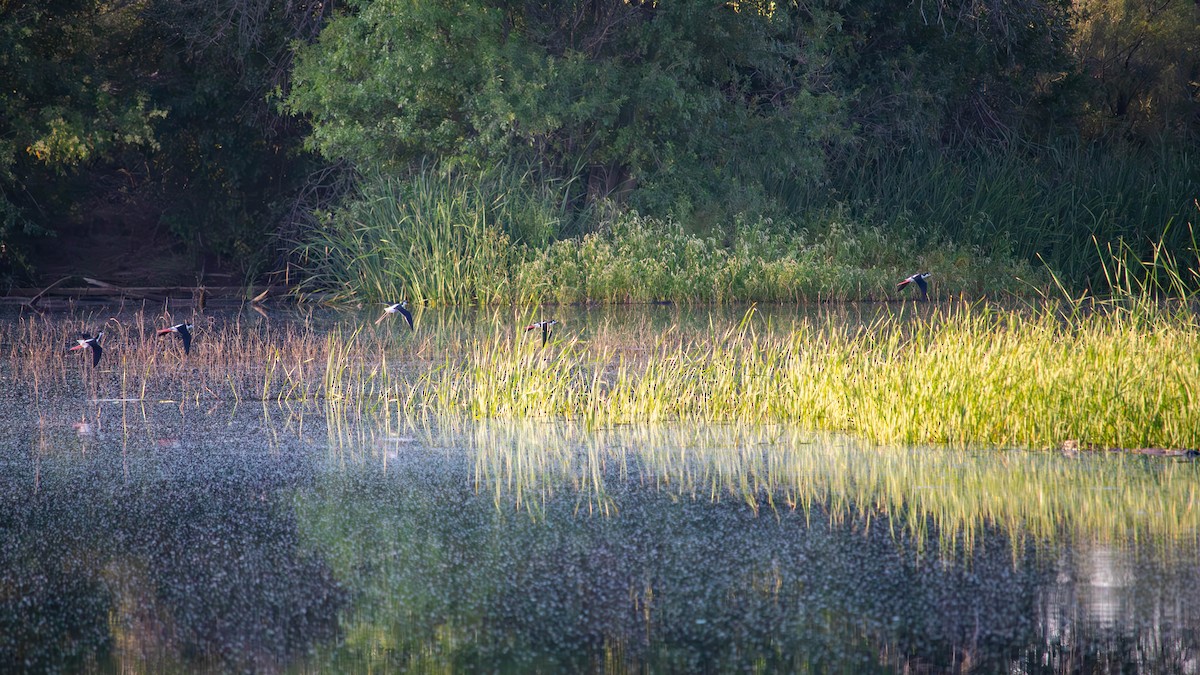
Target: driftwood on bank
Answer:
pixel 96 290
pixel 1072 448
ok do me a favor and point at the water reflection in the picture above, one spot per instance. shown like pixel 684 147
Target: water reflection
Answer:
pixel 176 537
pixel 126 553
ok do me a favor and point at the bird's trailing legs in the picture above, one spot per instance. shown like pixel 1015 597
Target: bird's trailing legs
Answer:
pixel 184 331
pixel 87 341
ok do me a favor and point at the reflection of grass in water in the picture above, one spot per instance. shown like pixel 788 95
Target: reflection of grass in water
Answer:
pixel 955 493
pixel 962 375
pixel 451 573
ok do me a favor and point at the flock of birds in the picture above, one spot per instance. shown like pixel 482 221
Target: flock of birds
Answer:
pixel 401 308
pixel 184 330
pixel 92 342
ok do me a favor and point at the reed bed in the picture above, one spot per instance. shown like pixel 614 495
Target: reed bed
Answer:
pixel 505 236
pixel 960 375
pixel 966 376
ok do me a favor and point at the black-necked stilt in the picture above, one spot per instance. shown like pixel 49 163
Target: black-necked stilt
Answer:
pixel 545 326
pixel 86 341
pixel 400 308
pixel 920 279
pixel 185 333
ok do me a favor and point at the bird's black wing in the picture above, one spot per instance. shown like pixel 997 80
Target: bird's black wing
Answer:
pixel 407 316
pixel 186 336
pixel 922 285
pixel 97 352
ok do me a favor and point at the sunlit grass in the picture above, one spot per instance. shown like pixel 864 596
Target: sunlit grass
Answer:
pixel 962 375
pixel 966 376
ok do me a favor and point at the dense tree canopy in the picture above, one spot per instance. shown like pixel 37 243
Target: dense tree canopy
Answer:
pixel 738 103
pixel 150 113
pixel 679 99
pixel 190 117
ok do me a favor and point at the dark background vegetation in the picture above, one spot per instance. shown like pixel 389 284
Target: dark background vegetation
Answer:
pixel 166 141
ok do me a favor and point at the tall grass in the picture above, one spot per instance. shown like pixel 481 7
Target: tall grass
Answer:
pixel 1113 372
pixel 436 237
pixel 967 376
pixel 983 218
pixel 1119 375
pixel 484 239
pixel 1023 200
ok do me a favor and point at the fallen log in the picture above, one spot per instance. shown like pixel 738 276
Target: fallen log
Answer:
pixel 58 297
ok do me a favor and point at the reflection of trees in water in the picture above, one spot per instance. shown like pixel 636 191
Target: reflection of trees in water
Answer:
pixel 195 558
pixel 1105 607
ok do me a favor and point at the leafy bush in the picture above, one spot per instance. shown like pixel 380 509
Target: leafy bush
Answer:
pixel 450 237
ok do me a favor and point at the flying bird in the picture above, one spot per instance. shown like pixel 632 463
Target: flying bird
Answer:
pixel 545 326
pixel 400 308
pixel 185 333
pixel 86 341
pixel 920 279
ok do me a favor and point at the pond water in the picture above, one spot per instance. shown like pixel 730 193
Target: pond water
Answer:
pixel 172 535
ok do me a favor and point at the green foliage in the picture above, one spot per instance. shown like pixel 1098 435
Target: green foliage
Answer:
pixel 392 82
pixel 1047 203
pixel 230 166
pixel 942 72
pixel 66 99
pixel 63 97
pixel 436 237
pixel 640 259
pixel 678 100
pixel 449 237
pixel 127 116
pixel 1142 62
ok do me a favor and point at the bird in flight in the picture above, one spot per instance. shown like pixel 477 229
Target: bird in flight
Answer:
pixel 545 326
pixel 86 341
pixel 185 333
pixel 921 280
pixel 400 308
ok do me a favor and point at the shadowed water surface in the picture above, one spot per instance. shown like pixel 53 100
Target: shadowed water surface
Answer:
pixel 142 536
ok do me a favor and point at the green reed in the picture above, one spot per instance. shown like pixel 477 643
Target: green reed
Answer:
pixel 436 237
pixel 1113 374
pixel 1026 200
pixel 504 237
pixel 968 375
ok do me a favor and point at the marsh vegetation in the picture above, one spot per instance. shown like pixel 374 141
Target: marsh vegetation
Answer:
pixel 1119 375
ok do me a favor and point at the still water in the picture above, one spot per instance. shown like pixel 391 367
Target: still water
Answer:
pixel 161 537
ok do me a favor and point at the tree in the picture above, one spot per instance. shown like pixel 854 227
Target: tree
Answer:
pixel 68 95
pixel 682 101
pixel 150 113
pixel 1142 58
